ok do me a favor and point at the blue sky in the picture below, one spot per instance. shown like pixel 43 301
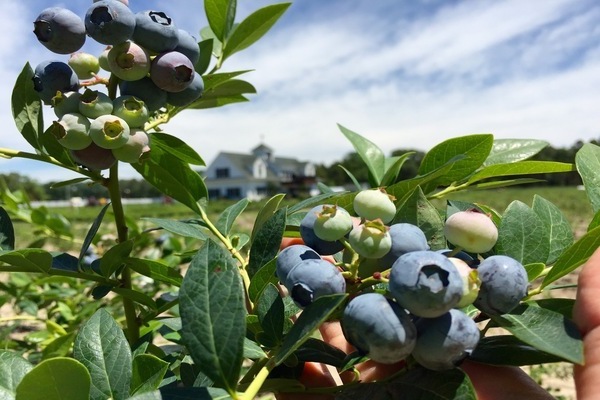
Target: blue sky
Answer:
pixel 405 74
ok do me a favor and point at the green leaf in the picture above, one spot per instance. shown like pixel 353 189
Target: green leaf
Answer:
pixel 183 228
pixel 503 183
pixel 520 168
pixel 311 318
pixel 173 177
pixel 213 315
pixel 217 47
pixel 155 395
pixel 69 182
pixel 102 347
pixel 27 260
pixel 261 279
pixel 136 296
pixel 213 81
pixel 59 347
pixel 509 350
pixel 545 330
pixel 417 210
pixel 155 270
pixel 393 165
pixel 27 108
pixel 534 270
pixel 574 256
pixel 212 102
pixel 115 257
pixel 352 177
pixel 7 231
pixel 203 63
pixel 270 311
pixel 229 215
pixel 512 150
pixel 232 87
pixel 265 213
pixel 147 373
pixel 89 237
pixel 220 15
pixel 252 350
pixel 316 350
pixel 559 230
pixel 587 161
pixel 476 148
pixel 251 29
pixel 176 147
pixel 55 379
pixel 368 151
pixel 13 368
pixel 266 243
pixel 310 202
pixel 522 234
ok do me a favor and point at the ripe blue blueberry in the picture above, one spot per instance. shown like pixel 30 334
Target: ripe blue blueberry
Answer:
pixel 405 238
pixel 188 46
pixel 172 71
pixel 379 328
pixel 425 283
pixel 60 30
pixel 310 279
pixel 147 91
pixel 443 342
pixel 503 284
pixel 189 94
pixel 155 31
pixel 290 256
pixel 307 232
pixel 109 22
pixel 51 77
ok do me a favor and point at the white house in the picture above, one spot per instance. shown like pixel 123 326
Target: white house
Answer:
pixel 255 175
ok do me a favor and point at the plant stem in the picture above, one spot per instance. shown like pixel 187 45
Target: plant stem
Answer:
pixel 258 381
pixel 112 184
pixel 10 153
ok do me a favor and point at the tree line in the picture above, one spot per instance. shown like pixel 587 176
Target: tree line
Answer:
pixel 331 175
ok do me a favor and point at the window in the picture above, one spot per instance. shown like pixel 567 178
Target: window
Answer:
pixel 233 193
pixel 222 172
pixel 214 193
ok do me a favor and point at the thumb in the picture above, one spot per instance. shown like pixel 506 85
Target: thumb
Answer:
pixel 586 315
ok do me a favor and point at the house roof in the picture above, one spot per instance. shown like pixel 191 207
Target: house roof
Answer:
pixel 275 166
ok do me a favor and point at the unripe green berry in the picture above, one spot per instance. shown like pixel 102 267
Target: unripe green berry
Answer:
pixel 471 282
pixel 371 239
pixel 103 59
pixel 136 147
pixel 374 204
pixel 109 131
pixel 85 65
pixel 471 230
pixel 129 61
pixel 332 223
pixel 132 110
pixel 94 104
pixel 72 131
pixel 66 103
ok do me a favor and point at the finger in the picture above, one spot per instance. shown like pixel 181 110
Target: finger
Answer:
pixel 313 375
pixel 500 383
pixel 586 315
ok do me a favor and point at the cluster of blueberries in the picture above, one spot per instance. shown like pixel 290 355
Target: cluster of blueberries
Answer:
pixel 421 312
pixel 153 60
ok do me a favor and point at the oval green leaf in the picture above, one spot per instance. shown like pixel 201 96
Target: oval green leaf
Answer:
pixel 55 379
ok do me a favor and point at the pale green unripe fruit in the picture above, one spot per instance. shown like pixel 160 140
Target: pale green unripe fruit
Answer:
pixel 129 61
pixel 132 110
pixel 103 59
pixel 137 145
pixel 375 204
pixel 94 104
pixel 371 239
pixel 109 131
pixel 66 103
pixel 85 65
pixel 471 282
pixel 471 230
pixel 72 131
pixel 332 223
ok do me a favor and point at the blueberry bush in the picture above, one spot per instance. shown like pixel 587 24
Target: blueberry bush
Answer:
pixel 192 309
